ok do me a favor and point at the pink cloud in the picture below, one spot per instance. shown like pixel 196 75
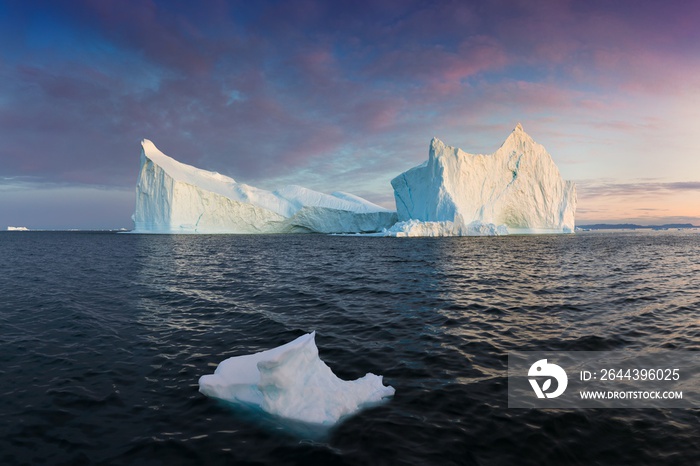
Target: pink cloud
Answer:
pixel 439 67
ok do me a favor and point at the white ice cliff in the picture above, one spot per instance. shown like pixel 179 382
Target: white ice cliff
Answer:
pixel 517 189
pixel 292 382
pixel 172 197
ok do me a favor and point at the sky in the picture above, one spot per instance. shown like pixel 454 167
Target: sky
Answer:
pixel 343 96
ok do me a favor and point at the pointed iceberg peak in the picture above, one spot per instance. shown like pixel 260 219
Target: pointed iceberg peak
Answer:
pixel 146 144
pixel 148 148
pixel 435 142
pixel 436 147
pixel 518 139
pixel 519 133
pixel 151 152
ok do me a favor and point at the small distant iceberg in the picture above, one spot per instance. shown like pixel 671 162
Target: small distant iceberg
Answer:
pixel 292 382
pixel 17 229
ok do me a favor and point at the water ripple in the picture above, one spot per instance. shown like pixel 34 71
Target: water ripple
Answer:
pixel 104 337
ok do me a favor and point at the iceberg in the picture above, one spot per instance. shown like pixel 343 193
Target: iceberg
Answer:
pixel 292 382
pixel 172 197
pixel 517 189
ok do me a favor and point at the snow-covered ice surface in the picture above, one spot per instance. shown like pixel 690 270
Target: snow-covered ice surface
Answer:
pixel 292 382
pixel 172 197
pixel 517 189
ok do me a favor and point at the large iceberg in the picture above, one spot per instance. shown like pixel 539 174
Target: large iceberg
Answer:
pixel 172 197
pixel 517 189
pixel 292 382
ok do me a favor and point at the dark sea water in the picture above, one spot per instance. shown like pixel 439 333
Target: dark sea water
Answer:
pixel 104 336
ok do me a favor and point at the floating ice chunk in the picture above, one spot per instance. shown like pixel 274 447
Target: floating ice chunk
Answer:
pixel 291 381
pixel 444 228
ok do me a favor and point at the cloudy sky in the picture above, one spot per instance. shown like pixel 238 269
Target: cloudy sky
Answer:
pixel 337 95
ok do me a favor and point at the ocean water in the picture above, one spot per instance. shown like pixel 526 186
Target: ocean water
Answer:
pixel 103 337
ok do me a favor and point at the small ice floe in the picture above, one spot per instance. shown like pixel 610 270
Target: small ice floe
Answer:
pixel 292 382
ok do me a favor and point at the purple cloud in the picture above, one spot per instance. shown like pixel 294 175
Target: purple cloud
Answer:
pixel 284 91
pixel 612 188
